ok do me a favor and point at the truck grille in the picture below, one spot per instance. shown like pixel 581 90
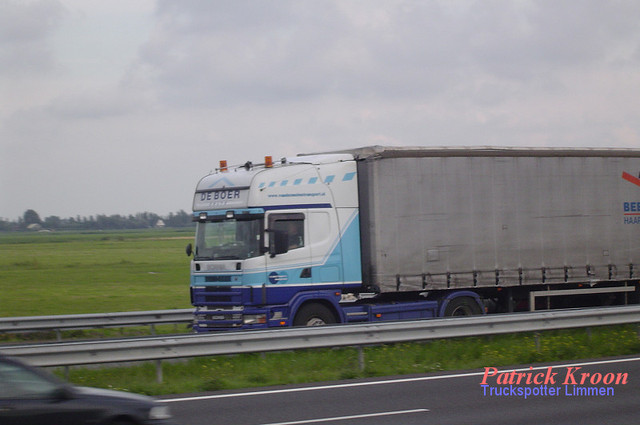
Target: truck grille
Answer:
pixel 218 296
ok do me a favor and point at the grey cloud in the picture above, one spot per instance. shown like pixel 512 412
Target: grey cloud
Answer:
pixel 24 31
pixel 222 52
pixel 203 16
pixel 518 43
pixel 94 104
pixel 227 52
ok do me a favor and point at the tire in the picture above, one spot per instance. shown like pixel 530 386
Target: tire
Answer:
pixel 462 306
pixel 314 315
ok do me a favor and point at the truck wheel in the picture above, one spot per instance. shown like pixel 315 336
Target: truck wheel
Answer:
pixel 462 306
pixel 314 315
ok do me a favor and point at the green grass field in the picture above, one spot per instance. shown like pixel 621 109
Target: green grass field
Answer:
pixel 73 273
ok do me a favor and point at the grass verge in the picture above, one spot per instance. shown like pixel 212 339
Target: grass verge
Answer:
pixel 304 366
pixel 96 272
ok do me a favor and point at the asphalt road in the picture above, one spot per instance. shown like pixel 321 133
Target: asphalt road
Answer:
pixel 446 398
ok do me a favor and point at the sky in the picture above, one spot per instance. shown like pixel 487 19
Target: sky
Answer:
pixel 120 106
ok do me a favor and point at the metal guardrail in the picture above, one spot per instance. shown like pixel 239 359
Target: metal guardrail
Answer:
pixel 183 346
pixel 95 320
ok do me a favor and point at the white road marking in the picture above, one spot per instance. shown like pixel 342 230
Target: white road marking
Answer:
pixel 345 418
pixel 390 381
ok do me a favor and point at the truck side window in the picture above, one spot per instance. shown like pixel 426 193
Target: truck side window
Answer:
pixel 293 224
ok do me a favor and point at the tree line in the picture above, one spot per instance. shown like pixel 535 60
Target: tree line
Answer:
pixel 31 220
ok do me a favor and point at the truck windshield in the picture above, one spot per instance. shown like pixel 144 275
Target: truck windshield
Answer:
pixel 228 240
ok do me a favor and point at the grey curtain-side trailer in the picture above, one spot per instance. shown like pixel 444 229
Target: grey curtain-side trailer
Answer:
pixel 510 224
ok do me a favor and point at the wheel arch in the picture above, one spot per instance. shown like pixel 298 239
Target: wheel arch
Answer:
pixel 450 296
pixel 303 300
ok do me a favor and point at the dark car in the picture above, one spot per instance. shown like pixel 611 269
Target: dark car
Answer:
pixel 30 396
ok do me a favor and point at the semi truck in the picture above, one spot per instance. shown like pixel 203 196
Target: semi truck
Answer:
pixel 397 233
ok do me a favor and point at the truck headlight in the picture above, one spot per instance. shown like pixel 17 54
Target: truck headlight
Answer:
pixel 252 319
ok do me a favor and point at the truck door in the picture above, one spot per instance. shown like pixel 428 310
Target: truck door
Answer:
pixel 325 247
pixel 293 266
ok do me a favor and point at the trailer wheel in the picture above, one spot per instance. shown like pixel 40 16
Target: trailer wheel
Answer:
pixel 462 306
pixel 314 315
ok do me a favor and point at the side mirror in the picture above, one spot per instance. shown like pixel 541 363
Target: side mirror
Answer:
pixel 278 242
pixel 189 250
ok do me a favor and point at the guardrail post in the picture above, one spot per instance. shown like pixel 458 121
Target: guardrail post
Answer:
pixel 159 371
pixel 361 364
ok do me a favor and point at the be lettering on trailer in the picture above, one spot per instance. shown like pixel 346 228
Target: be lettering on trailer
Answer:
pixel 631 209
pixel 631 212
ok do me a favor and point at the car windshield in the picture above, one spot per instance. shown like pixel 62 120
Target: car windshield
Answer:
pixel 228 240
